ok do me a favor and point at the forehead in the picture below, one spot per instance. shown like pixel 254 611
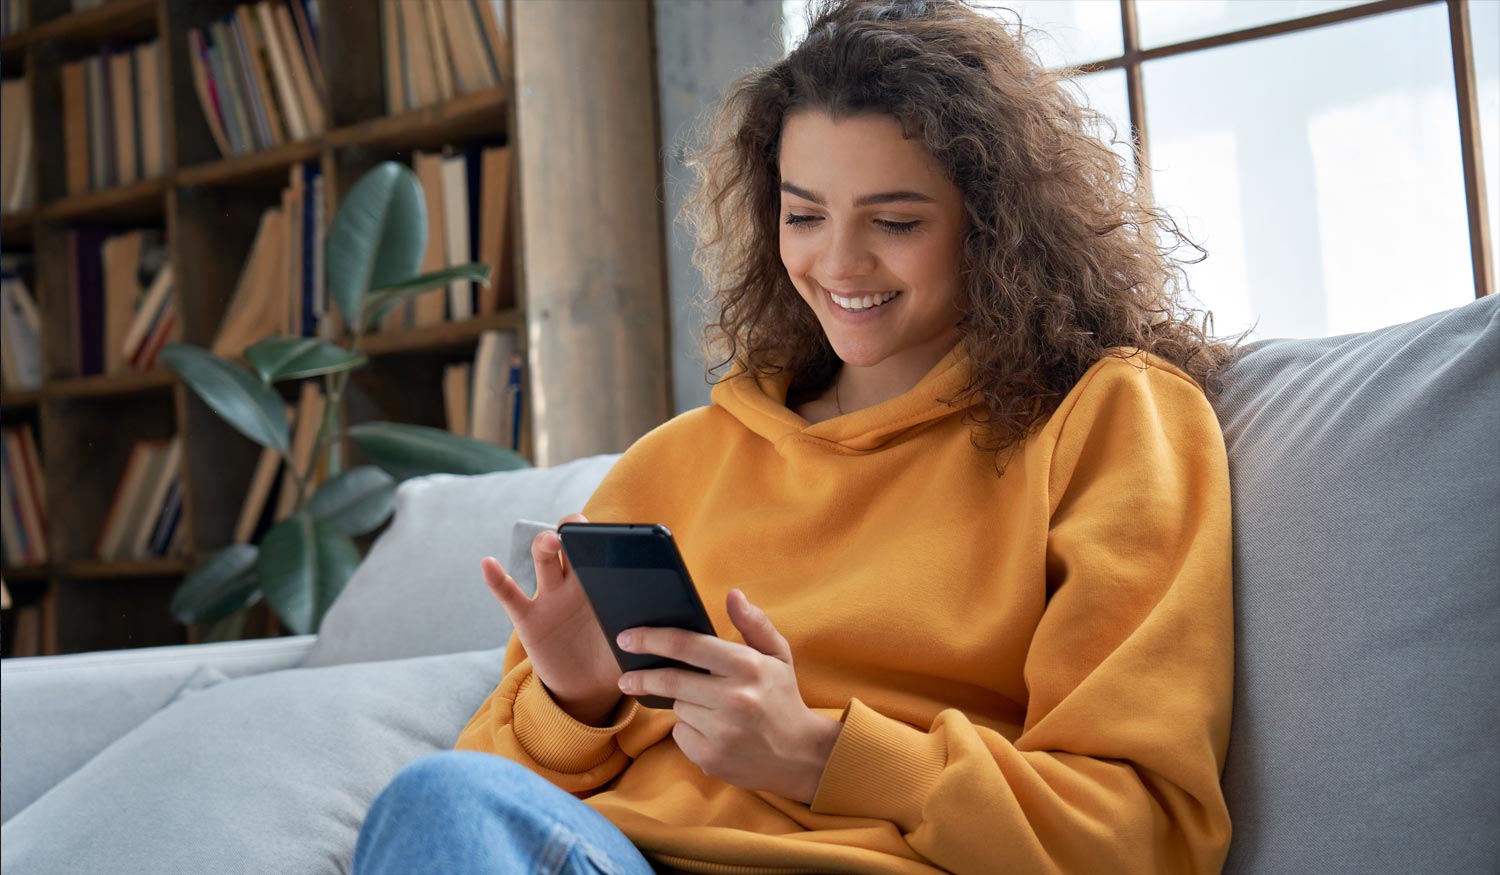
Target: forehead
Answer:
pixel 845 157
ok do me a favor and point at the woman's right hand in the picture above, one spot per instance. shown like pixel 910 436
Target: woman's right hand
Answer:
pixel 562 637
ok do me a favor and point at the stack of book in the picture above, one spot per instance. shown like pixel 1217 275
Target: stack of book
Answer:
pixel 272 494
pixel 25 494
pixel 21 327
pixel 482 399
pixel 257 75
pixel 112 117
pixel 143 517
pixel 438 49
pixel 468 196
pixel 120 287
pixel 17 179
pixel 12 17
pixel 281 288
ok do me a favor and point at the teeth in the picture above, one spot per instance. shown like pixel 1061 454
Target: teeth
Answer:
pixel 865 302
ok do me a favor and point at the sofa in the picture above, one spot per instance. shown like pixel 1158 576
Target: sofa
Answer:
pixel 1366 732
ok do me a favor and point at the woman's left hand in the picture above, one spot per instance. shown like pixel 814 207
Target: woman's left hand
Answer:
pixel 745 723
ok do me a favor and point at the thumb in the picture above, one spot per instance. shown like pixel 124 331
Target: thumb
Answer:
pixel 757 628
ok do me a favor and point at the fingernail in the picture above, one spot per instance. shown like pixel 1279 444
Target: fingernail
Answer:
pixel 626 640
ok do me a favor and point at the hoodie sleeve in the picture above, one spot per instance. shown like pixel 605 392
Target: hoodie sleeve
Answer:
pixel 521 721
pixel 1129 670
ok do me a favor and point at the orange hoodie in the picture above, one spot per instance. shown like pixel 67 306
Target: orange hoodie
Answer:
pixel 1034 671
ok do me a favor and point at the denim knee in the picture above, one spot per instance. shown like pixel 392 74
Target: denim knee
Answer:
pixel 452 778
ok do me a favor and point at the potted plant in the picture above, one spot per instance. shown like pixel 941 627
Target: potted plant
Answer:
pixel 374 250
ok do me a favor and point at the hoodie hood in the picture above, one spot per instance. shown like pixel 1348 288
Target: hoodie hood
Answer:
pixel 759 403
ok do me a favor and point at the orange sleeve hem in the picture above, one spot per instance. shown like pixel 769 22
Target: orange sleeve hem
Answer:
pixel 880 768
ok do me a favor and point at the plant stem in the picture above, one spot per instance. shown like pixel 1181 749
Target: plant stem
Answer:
pixel 328 430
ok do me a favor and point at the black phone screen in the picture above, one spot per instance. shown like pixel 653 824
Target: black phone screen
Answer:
pixel 633 575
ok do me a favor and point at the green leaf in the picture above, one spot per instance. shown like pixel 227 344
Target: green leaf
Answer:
pixel 224 584
pixel 303 566
pixel 288 358
pixel 252 407
pixel 381 300
pixel 414 450
pixel 354 502
pixel 378 236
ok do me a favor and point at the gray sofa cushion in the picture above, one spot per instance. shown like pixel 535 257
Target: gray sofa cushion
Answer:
pixel 1366 500
pixel 271 773
pixel 57 712
pixel 419 591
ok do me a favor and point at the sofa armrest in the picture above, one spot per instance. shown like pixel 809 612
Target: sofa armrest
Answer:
pixel 56 712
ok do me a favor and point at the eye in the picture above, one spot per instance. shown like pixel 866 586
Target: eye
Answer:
pixel 899 227
pixel 796 219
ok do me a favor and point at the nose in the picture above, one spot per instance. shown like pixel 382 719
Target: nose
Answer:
pixel 846 256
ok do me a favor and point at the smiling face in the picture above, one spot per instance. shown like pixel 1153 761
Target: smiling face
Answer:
pixel 871 228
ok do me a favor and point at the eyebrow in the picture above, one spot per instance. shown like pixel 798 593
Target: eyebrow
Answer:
pixel 885 197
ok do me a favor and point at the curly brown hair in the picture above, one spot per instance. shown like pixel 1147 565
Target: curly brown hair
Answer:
pixel 1060 259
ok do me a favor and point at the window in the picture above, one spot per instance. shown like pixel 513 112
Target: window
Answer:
pixel 1315 148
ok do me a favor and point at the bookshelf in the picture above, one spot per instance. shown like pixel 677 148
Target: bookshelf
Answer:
pixel 208 207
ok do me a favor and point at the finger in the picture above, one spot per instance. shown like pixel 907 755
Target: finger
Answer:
pixel 562 558
pixel 709 652
pixel 546 553
pixel 675 683
pixel 505 588
pixel 756 627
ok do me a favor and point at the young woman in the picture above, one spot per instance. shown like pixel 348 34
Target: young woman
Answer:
pixel 960 508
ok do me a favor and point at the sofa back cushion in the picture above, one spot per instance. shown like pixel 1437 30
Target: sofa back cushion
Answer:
pixel 1366 501
pixel 419 592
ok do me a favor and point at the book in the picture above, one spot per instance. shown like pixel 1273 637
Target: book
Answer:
pixel 258 495
pixel 515 401
pixel 395 88
pixel 310 408
pixel 21 344
pixel 144 456
pixel 121 253
pixel 257 308
pixel 492 17
pixel 442 61
pixel 248 34
pixel 76 152
pixel 465 48
pixel 456 233
pixel 149 99
pixel 489 420
pixel 164 472
pixel 456 397
pixel 12 532
pixel 24 496
pixel 208 99
pixel 286 90
pixel 307 92
pixel 122 108
pixel 18 185
pixel 423 80
pixel 430 308
pixel 494 233
pixel 157 300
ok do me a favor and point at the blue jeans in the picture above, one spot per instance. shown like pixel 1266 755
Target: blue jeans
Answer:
pixel 462 811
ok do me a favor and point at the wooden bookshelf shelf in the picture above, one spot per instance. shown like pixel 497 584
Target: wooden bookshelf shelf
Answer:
pixel 98 568
pixel 18 399
pixel 108 385
pixel 437 337
pixel 26 572
pixel 587 80
pixel 114 20
pixel 17 226
pixel 470 116
pixel 138 200
pixel 266 167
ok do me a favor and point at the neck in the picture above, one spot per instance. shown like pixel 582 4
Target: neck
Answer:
pixel 856 387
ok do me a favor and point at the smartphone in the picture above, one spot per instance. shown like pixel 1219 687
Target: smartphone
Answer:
pixel 633 575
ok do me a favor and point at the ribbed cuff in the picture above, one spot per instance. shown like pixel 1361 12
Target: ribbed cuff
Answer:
pixel 880 768
pixel 554 739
